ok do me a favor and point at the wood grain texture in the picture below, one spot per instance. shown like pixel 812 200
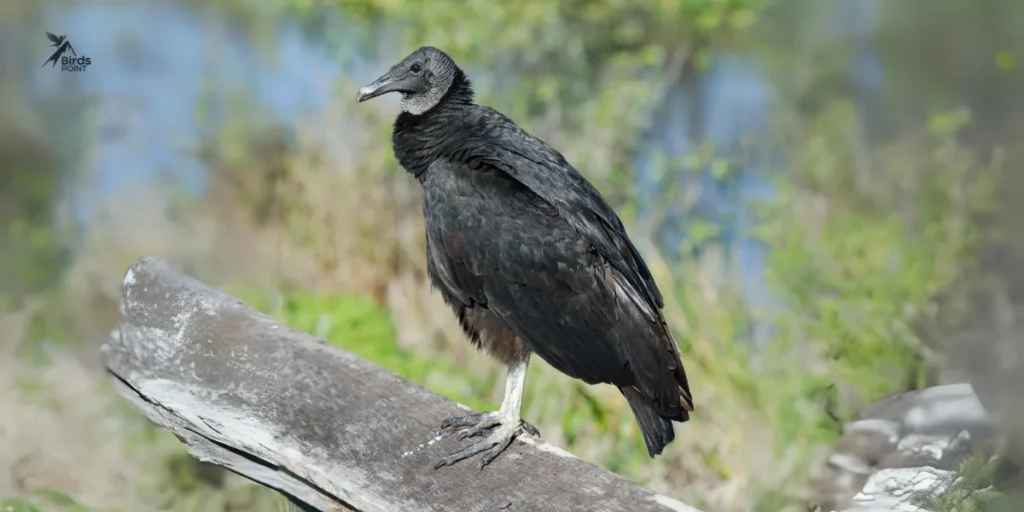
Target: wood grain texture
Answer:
pixel 329 429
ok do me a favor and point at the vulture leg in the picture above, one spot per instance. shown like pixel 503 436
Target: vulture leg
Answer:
pixel 504 424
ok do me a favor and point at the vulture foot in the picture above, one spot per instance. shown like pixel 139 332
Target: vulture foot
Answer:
pixel 503 429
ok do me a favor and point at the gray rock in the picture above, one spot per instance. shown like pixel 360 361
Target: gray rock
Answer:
pixel 908 442
pixel 893 490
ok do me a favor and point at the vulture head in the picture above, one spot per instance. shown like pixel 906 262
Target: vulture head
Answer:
pixel 423 78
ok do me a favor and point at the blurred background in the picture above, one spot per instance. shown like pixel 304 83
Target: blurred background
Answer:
pixel 825 190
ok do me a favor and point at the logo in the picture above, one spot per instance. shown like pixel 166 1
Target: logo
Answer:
pixel 72 63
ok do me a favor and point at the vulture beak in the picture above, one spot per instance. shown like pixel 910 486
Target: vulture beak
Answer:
pixel 383 85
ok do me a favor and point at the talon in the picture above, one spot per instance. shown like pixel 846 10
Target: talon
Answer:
pixel 478 429
pixel 530 429
pixel 465 421
pixel 503 430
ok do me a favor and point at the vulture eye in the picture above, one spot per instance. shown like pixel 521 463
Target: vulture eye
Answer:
pixel 415 69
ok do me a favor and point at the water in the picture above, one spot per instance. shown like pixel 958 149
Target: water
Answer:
pixel 149 77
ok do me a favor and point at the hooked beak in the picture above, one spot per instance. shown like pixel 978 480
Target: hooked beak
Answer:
pixel 382 85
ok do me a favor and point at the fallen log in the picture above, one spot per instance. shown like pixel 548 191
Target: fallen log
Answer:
pixel 328 429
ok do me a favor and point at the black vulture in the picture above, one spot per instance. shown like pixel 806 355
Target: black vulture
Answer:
pixel 530 257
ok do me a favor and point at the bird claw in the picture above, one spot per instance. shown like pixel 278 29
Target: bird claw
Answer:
pixel 530 429
pixel 467 421
pixel 505 430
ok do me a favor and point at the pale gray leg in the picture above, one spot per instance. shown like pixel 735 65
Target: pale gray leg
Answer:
pixel 506 422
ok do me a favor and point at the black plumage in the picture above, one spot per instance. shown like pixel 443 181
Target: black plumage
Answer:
pixel 529 255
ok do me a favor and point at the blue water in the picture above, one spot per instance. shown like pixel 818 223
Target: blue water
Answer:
pixel 150 74
pixel 152 70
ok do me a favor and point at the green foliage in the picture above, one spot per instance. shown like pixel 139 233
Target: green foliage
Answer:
pixel 564 41
pixel 965 489
pixel 861 250
pixel 33 252
pixel 570 64
pixel 187 484
pixel 351 322
pixel 46 500
pixel 17 505
pixel 357 324
pixel 49 329
pixel 881 248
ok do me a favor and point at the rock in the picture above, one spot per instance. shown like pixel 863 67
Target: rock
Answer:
pixel 904 443
pixel 893 490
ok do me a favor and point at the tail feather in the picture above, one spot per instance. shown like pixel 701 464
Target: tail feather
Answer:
pixel 686 398
pixel 657 431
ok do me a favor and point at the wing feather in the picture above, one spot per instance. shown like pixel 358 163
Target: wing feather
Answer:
pixel 547 174
pixel 577 296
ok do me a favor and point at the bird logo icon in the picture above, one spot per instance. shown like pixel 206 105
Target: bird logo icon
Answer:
pixel 62 44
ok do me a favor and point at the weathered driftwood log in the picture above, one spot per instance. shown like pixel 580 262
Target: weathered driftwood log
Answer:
pixel 329 429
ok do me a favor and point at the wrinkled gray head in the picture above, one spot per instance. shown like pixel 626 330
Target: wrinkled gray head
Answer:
pixel 422 78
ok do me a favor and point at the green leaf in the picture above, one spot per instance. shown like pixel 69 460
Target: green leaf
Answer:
pixel 17 505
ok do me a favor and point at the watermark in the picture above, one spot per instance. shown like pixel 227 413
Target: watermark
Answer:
pixel 72 63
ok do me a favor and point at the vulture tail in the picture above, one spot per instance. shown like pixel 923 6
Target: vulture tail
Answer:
pixel 657 431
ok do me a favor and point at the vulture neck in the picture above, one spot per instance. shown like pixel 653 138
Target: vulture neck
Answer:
pixel 419 140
